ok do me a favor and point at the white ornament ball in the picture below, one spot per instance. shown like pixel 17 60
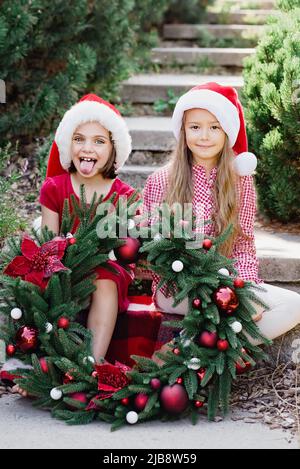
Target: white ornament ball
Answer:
pixel 177 266
pixel 16 313
pixel 56 394
pixel 194 364
pixel 111 256
pixel 236 326
pixel 131 224
pixel 157 237
pixel 132 417
pixel 48 327
pixel 224 271
pixel 245 164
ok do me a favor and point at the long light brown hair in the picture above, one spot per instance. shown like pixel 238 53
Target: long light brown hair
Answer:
pixel 180 189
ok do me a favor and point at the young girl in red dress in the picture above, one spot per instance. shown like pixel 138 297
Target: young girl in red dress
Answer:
pixel 91 143
pixel 211 169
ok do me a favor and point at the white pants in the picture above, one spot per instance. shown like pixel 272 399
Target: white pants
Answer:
pixel 283 315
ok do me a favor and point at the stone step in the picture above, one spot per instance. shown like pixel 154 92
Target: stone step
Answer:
pixel 194 31
pixel 246 4
pixel 230 57
pixel 239 16
pixel 151 133
pixel 148 88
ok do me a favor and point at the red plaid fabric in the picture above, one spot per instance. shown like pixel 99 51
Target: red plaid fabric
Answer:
pixel 203 204
pixel 136 331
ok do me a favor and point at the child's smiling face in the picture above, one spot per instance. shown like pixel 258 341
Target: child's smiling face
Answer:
pixel 91 148
pixel 204 136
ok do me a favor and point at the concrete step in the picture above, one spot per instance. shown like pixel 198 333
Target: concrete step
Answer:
pixel 151 133
pixel 239 16
pixel 148 88
pixel 194 31
pixel 230 57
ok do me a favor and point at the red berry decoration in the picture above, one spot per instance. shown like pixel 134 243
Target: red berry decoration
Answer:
pixel 10 350
pixel 201 374
pixel 239 283
pixel 63 323
pixel 68 378
pixel 179 380
pixel 140 401
pixel 197 303
pixel 226 299
pixel 208 339
pixel 43 364
pixel 128 253
pixel 174 399
pixel 155 384
pixel 222 345
pixel 125 401
pixel 27 338
pixel 72 240
pixel 207 244
pixel 198 404
pixel 176 351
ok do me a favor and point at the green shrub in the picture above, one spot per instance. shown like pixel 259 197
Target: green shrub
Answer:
pixel 189 11
pixel 43 62
pixel 10 222
pixel 272 98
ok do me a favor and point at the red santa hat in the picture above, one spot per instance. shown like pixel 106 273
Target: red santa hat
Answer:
pixel 90 108
pixel 223 102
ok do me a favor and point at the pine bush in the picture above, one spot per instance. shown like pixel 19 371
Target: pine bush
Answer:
pixel 272 98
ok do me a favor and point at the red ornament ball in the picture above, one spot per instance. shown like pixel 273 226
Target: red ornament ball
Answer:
pixel 140 401
pixel 207 244
pixel 155 384
pixel 240 369
pixel 239 283
pixel 129 252
pixel 226 299
pixel 27 338
pixel 43 364
pixel 208 339
pixel 198 404
pixel 176 351
pixel 63 322
pixel 72 240
pixel 179 380
pixel 10 350
pixel 125 401
pixel 78 396
pixel 174 399
pixel 197 303
pixel 222 345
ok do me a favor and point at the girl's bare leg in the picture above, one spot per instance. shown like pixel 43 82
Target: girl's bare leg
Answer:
pixel 102 316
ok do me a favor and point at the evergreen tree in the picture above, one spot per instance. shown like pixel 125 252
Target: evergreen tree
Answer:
pixel 272 99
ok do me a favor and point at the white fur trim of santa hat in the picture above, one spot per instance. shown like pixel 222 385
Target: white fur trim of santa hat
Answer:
pixel 88 111
pixel 226 112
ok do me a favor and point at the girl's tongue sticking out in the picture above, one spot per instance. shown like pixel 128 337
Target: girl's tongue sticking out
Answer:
pixel 87 165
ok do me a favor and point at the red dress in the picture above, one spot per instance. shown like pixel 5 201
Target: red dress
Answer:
pixel 55 190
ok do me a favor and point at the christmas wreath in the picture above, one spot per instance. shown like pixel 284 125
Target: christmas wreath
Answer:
pixel 48 281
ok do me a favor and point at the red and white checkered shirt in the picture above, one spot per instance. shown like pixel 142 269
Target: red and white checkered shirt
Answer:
pixel 244 250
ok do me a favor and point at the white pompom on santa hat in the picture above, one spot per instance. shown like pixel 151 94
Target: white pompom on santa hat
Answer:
pixel 223 102
pixel 90 108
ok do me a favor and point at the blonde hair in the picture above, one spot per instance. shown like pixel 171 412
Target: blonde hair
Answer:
pixel 180 189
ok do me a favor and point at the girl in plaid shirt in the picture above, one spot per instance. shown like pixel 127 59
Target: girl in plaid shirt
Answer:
pixel 212 169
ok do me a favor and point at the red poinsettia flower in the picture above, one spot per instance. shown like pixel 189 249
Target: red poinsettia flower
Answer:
pixel 111 378
pixel 37 264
